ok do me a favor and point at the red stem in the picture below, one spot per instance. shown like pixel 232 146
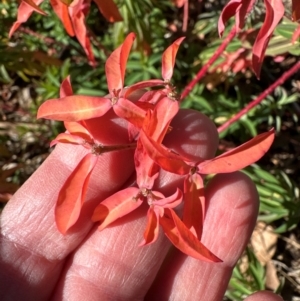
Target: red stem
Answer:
pixel 185 16
pixel 261 97
pixel 204 69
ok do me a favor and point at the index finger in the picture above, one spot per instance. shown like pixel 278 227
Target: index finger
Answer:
pixel 32 251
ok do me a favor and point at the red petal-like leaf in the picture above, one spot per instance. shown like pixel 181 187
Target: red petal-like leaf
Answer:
pixel 126 109
pixel 74 108
pixel 142 85
pixel 109 10
pixel 78 13
pixel 78 128
pixel 194 204
pixel 170 202
pixel 72 194
pixel 168 59
pixel 162 115
pixel 116 206
pixel 239 8
pixel 274 13
pixel 166 159
pixel 67 138
pixel 24 12
pixel 239 157
pixel 116 64
pixel 229 10
pixel 183 239
pixel 146 169
pixel 152 97
pixel 35 5
pixel 152 229
pixel 66 88
pixel 61 10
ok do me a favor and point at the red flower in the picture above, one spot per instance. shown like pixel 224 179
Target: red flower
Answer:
pixel 72 13
pixel 148 117
pixel 240 9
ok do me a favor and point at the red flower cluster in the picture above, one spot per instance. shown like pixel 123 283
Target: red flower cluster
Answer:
pixel 72 13
pixel 148 117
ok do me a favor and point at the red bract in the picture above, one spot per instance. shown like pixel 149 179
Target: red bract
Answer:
pixel 233 160
pixel 72 13
pixel 240 9
pixel 148 115
pixel 72 194
pixel 274 13
pixel 80 107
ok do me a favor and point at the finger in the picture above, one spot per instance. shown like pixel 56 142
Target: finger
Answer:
pixel 110 265
pixel 32 250
pixel 231 215
pixel 264 296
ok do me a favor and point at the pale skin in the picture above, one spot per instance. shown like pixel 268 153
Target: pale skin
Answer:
pixel 39 263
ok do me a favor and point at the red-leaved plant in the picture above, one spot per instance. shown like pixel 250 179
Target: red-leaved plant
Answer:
pixel 148 116
pixel 275 10
pixel 72 13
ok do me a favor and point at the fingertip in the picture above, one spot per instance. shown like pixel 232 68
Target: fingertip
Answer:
pixel 193 135
pixel 232 208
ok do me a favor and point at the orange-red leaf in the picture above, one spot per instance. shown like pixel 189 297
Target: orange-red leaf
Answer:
pixel 183 239
pixel 194 204
pixel 72 194
pixel 239 157
pixel 274 13
pixel 168 59
pixel 142 85
pixel 24 12
pixel 116 64
pixel 35 5
pixel 66 88
pixel 152 97
pixel 166 159
pixel 170 202
pixel 238 8
pixel 78 13
pixel 67 138
pixel 128 110
pixel 74 108
pixel 78 128
pixel 163 113
pixel 109 10
pixel 116 206
pixel 152 228
pixel 146 169
pixel 61 9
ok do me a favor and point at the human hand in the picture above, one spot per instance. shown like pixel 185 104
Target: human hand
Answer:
pixel 38 263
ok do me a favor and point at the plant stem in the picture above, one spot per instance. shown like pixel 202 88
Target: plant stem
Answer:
pixel 261 97
pixel 101 149
pixel 204 69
